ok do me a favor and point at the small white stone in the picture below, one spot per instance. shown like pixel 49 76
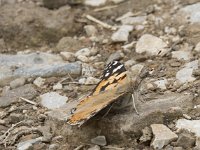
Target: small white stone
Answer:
pixel 95 3
pixel 122 34
pixel 83 52
pixel 185 74
pixel 57 86
pixel 162 136
pixel 190 125
pixel 68 56
pixel 91 80
pixel 90 30
pixel 82 81
pixel 185 55
pixel 117 1
pixel 152 45
pixel 161 83
pixel 129 63
pixel 39 82
pixel 83 58
pixel 197 47
pixel 136 69
pixel 53 100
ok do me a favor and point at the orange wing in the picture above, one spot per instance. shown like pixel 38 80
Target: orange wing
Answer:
pixel 113 84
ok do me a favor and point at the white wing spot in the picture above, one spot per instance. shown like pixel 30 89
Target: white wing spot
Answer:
pixel 115 62
pixel 107 74
pixel 119 67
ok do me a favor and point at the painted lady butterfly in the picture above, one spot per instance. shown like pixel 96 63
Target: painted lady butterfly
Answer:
pixel 114 83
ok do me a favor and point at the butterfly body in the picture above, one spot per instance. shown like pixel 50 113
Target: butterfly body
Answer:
pixel 114 84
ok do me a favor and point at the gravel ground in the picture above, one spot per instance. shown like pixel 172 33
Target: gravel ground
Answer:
pixel 53 53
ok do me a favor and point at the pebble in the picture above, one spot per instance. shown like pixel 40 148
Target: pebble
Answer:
pixel 17 82
pixel 53 147
pixel 27 91
pixel 162 136
pixel 28 144
pixel 83 52
pixel 197 47
pixel 186 140
pixel 185 74
pixel 91 81
pixel 152 45
pixel 121 35
pixel 129 63
pixel 96 147
pixel 99 140
pixel 115 56
pixel 90 30
pixel 192 126
pixel 134 20
pixel 68 44
pixel 53 100
pixel 136 69
pixel 68 56
pixel 57 86
pixel 185 55
pixel 161 84
pixel 83 58
pixel 39 82
pixel 95 3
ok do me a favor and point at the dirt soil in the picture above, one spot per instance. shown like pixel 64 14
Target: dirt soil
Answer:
pixel 28 26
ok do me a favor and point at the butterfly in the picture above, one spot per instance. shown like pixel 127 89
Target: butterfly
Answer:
pixel 114 83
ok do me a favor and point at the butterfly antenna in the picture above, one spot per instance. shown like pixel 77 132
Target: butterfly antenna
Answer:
pixel 134 104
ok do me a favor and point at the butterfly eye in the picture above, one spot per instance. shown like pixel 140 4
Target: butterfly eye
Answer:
pixel 73 110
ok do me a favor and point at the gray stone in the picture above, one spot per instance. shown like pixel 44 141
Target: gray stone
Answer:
pixel 96 147
pixel 34 65
pixel 115 56
pixel 90 30
pixel 53 100
pixel 29 59
pixel 53 147
pixel 190 13
pixel 192 126
pixel 68 56
pixel 186 140
pixel 39 82
pixel 161 83
pixel 151 45
pixel 91 81
pixel 83 52
pixel 57 86
pixel 121 35
pixel 99 140
pixel 17 82
pixel 49 70
pixel 95 3
pixel 185 55
pixel 162 136
pixel 27 91
pixel 185 74
pixel 28 144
